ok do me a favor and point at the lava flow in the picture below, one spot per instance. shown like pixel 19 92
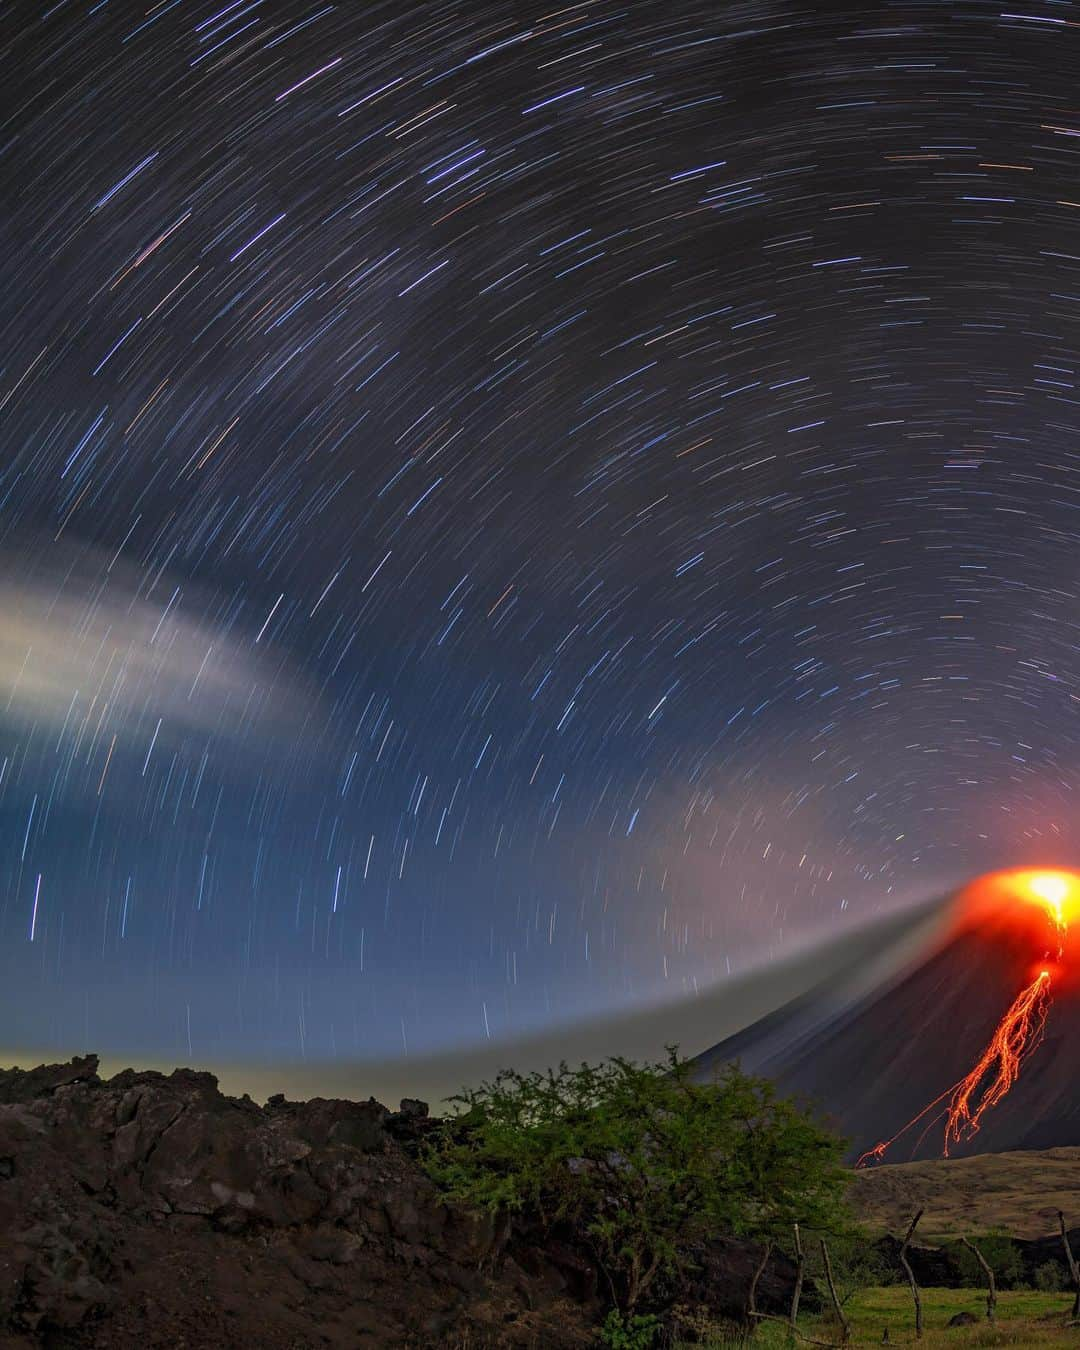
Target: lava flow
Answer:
pixel 1020 1030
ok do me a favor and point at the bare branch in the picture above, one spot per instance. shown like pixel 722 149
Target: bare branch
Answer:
pixel 751 1302
pixel 838 1307
pixel 809 1340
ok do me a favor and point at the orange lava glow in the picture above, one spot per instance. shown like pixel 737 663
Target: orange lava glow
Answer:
pixel 1017 1034
pixel 1003 901
pixel 1031 902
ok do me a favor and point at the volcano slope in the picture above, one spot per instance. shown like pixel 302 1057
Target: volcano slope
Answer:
pixel 887 1070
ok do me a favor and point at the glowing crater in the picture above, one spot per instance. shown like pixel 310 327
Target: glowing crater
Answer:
pixel 1057 892
pixel 1022 901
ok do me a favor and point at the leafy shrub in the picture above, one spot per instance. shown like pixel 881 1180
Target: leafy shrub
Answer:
pixel 1002 1256
pixel 1051 1277
pixel 857 1263
pixel 637 1332
pixel 641 1161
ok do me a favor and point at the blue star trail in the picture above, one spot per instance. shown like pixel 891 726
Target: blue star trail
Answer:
pixel 506 514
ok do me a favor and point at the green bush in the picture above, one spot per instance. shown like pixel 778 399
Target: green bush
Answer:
pixel 857 1263
pixel 638 1332
pixel 641 1161
pixel 1051 1277
pixel 1002 1256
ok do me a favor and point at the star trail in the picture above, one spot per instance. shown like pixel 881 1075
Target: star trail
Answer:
pixel 510 513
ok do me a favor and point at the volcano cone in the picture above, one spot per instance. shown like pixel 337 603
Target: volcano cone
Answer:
pixel 888 1070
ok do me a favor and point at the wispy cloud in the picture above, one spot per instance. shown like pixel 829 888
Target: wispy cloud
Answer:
pixel 97 642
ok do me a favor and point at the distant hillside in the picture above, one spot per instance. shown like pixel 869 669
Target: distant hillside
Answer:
pixel 1019 1193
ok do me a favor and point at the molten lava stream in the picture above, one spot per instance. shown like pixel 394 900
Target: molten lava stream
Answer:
pixel 1017 1034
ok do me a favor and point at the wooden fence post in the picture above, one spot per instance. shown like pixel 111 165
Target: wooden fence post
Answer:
pixel 1074 1269
pixel 991 1297
pixel 800 1269
pixel 911 1275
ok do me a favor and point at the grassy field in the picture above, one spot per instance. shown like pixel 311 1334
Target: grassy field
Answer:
pixel 1024 1317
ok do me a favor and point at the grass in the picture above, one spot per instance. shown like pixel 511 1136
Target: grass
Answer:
pixel 1024 1318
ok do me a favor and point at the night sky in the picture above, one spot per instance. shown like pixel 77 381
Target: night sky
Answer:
pixel 508 514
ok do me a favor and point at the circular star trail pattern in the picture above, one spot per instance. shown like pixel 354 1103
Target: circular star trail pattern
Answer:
pixel 506 513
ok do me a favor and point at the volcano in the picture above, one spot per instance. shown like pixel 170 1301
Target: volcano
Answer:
pixel 973 1048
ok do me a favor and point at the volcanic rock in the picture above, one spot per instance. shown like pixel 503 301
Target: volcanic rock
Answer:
pixel 151 1211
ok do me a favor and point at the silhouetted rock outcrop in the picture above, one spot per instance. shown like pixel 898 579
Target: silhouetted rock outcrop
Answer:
pixel 150 1210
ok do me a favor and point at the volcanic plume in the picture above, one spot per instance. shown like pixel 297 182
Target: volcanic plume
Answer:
pixel 973 1050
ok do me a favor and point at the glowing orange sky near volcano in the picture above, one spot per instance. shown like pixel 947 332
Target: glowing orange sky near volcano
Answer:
pixel 1037 910
pixel 1054 893
pixel 1040 904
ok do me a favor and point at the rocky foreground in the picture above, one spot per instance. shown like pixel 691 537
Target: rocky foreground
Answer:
pixel 150 1210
